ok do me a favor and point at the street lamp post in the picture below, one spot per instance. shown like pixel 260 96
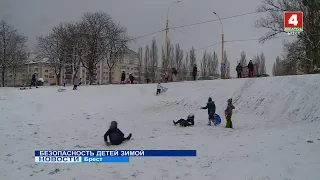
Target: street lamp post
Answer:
pixel 222 49
pixel 165 64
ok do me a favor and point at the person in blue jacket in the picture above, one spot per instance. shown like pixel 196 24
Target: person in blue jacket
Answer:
pixel 115 135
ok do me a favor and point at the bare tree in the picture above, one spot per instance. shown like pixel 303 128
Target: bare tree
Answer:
pixel 146 62
pixel 163 57
pixel 76 41
pixel 310 37
pixel 277 69
pixel 204 64
pixel 98 31
pixel 215 63
pixel 115 45
pixel 179 59
pixel 54 47
pixel 171 55
pixel 140 64
pixel 256 61
pixel 193 59
pixel 243 59
pixel 228 64
pixel 185 67
pixel 262 68
pixel 19 58
pixel 210 64
pixel 153 59
pixel 12 45
pixel 274 72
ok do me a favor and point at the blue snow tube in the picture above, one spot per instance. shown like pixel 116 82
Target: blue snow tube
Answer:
pixel 218 119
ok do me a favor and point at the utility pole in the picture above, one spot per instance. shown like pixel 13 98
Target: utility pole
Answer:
pixel 223 72
pixel 165 63
pixel 223 63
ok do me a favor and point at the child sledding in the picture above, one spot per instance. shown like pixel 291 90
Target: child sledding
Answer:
pixel 115 135
pixel 185 123
pixel 161 89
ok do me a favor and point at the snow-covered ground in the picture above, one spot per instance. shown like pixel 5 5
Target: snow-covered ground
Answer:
pixel 276 135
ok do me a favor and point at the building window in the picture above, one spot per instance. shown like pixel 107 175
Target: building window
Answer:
pixel 51 77
pixel 46 71
pixel 46 76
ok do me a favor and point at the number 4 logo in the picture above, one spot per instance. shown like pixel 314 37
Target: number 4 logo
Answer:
pixel 293 21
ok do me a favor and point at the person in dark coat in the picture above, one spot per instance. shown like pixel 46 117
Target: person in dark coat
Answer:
pixel 123 77
pixel 250 67
pixel 194 72
pixel 185 123
pixel 131 77
pixel 174 73
pixel 147 77
pixel 239 70
pixel 115 135
pixel 211 111
pixel 34 80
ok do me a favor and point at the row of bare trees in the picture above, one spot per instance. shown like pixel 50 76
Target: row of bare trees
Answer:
pixel 86 43
pixel 303 54
pixel 260 62
pixel 148 61
pixel 209 64
pixel 13 50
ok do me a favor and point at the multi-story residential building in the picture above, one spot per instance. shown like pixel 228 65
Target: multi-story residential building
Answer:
pixel 24 74
pixel 128 64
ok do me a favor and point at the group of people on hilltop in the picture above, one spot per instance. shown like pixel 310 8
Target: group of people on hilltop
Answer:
pixel 166 76
pixel 239 69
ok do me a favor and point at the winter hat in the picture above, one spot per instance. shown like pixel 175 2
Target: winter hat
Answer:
pixel 191 115
pixel 210 99
pixel 113 125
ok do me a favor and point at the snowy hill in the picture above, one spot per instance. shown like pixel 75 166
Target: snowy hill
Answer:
pixel 273 120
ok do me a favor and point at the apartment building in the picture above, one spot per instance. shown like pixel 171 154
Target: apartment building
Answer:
pixel 128 64
pixel 24 74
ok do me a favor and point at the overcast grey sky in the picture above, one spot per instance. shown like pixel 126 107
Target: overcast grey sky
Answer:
pixel 36 17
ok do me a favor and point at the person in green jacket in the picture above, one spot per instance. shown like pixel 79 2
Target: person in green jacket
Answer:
pixel 228 113
pixel 211 111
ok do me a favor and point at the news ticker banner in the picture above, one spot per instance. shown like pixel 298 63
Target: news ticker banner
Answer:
pixel 104 156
